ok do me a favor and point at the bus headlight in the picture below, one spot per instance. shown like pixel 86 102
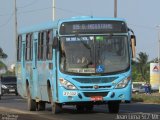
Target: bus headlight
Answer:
pixel 66 84
pixel 123 83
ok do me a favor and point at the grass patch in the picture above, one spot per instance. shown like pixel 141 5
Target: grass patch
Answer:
pixel 153 98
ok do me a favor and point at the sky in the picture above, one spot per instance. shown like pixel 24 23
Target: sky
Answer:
pixel 141 15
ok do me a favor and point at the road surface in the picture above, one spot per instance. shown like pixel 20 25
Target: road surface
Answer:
pixel 15 108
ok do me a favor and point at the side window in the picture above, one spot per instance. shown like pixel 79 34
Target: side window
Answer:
pixel 19 48
pixel 44 45
pixel 29 47
pixel 40 45
pixel 49 44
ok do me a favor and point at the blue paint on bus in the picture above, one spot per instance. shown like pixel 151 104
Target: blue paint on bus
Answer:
pixel 89 68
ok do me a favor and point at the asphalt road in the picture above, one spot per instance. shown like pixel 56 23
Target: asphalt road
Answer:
pixel 15 108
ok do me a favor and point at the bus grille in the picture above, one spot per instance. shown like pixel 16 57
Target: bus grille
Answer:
pixel 91 87
pixel 95 80
pixel 90 94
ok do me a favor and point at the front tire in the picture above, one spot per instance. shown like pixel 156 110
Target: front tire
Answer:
pixel 31 102
pixel 89 108
pixel 113 106
pixel 56 107
pixel 80 108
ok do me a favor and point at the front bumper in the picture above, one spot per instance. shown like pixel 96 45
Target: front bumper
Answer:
pixel 123 94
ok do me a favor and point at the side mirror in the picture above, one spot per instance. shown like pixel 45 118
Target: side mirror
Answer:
pixel 133 44
pixel 55 42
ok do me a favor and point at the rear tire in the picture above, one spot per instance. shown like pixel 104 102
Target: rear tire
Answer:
pixel 31 102
pixel 41 106
pixel 113 106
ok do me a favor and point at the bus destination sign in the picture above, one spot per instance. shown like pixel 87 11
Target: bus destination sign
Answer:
pixel 93 27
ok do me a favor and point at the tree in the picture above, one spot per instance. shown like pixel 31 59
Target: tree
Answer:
pixel 2 56
pixel 143 66
pixel 155 60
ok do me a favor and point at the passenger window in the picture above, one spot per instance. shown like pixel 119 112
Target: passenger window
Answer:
pixel 29 47
pixel 44 45
pixel 39 46
pixel 49 44
pixel 19 47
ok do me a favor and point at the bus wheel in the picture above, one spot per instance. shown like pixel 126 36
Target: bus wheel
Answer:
pixel 31 102
pixel 56 108
pixel 89 108
pixel 80 108
pixel 41 106
pixel 113 106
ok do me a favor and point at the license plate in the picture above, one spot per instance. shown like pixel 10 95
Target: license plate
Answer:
pixel 69 93
pixel 96 98
pixel 11 90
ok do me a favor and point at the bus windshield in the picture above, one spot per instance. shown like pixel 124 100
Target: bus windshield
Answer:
pixel 94 54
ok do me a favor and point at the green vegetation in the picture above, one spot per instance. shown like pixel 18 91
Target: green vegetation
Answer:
pixel 3 65
pixel 141 73
pixel 9 73
pixel 141 68
pixel 151 98
pixel 2 56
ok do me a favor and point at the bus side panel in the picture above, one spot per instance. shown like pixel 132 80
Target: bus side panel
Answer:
pixel 24 90
pixel 19 77
pixel 28 75
pixel 43 76
pixel 35 73
pixel 21 80
pixel 54 80
pixel 45 73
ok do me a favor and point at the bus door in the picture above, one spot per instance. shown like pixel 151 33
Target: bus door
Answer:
pixel 35 70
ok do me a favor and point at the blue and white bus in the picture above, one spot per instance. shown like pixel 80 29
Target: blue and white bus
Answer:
pixel 81 61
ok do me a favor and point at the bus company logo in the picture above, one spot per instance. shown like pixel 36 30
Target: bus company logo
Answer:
pixel 95 86
pixel 156 69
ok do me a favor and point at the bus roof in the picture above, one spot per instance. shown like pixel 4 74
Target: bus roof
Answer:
pixel 83 18
pixel 54 24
